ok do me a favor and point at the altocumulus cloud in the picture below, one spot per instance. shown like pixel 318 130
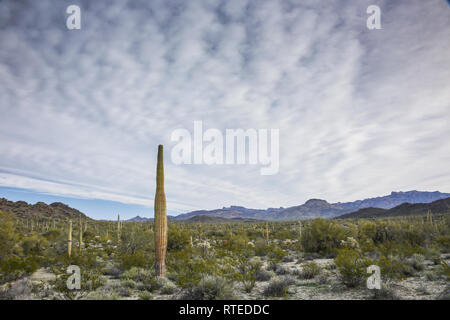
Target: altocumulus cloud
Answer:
pixel 360 112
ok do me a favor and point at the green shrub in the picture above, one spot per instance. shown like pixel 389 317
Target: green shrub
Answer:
pixel 139 259
pixel 417 261
pixel 145 295
pixel 309 270
pixel 393 269
pixel 351 267
pixel 209 288
pixel 324 236
pixel 446 269
pixel 264 275
pixel 278 287
pixel 246 270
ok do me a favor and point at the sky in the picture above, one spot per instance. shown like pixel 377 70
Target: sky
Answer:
pixel 360 112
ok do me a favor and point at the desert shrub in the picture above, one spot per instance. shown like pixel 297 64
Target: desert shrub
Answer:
pixel 113 271
pixel 145 295
pixel 53 235
pixel 278 287
pixel 432 275
pixel 284 235
pixel 323 236
pixel 367 230
pixel 33 244
pixel 275 254
pixel 15 267
pixel 263 275
pixel 351 267
pixel 322 278
pixel 8 236
pixel 209 288
pixel 187 269
pixel 177 238
pixel 281 270
pixel 136 244
pixel 446 269
pixel 444 243
pixel 123 292
pixel 433 254
pixel 246 270
pixel 139 259
pixel 309 270
pixel 417 261
pixel 128 283
pixel 385 293
pixel 20 290
pixel 167 286
pixel 137 274
pixel 260 247
pixel 288 259
pixel 392 268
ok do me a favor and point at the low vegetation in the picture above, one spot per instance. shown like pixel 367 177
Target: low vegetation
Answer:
pixel 241 260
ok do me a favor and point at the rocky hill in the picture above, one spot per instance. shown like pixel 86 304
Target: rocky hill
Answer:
pixel 56 210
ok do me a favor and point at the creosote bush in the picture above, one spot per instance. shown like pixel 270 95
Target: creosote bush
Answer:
pixel 210 288
pixel 351 267
pixel 309 270
pixel 278 287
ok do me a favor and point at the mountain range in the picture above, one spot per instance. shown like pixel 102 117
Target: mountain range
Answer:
pixel 314 208
pixel 405 209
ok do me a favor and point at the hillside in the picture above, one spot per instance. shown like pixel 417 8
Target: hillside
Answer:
pixel 406 209
pixel 56 210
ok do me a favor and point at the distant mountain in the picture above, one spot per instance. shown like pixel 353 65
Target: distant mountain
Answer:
pixel 140 219
pixel 320 208
pixel 310 209
pixel 143 219
pixel 212 219
pixel 231 212
pixel 405 209
pixel 56 210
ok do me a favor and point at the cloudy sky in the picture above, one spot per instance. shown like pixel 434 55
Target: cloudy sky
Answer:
pixel 360 112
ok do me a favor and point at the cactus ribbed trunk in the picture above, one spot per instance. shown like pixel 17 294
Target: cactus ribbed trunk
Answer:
pixel 81 235
pixel 118 228
pixel 160 224
pixel 69 240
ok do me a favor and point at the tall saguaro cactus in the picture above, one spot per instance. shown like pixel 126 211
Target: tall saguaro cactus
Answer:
pixel 81 235
pixel 118 228
pixel 160 221
pixel 69 240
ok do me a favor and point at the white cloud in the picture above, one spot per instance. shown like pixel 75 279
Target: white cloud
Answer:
pixel 360 112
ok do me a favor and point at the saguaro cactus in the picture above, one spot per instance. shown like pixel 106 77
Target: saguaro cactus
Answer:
pixel 160 222
pixel 118 228
pixel 69 240
pixel 81 235
pixel 267 232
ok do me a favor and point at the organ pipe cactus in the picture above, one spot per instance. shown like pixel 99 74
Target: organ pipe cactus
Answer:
pixel 160 221
pixel 69 240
